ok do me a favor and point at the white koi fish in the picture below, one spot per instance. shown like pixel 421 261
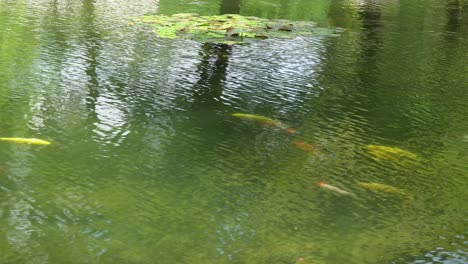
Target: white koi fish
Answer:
pixel 333 188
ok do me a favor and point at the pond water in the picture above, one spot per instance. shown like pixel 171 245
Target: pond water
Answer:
pixel 148 165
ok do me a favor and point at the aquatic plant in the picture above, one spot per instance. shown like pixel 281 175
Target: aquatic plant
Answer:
pixel 230 28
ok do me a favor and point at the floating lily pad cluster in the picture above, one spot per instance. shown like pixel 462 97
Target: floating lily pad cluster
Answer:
pixel 230 28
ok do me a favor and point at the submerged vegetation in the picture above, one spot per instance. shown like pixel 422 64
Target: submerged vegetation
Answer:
pixel 230 28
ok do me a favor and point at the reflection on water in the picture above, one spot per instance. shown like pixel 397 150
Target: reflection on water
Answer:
pixel 212 72
pixel 147 161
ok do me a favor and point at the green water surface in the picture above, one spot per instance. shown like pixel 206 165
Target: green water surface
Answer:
pixel 148 165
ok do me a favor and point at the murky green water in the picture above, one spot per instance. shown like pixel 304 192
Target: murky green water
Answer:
pixel 147 165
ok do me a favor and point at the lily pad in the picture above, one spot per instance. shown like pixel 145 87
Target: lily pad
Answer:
pixel 230 28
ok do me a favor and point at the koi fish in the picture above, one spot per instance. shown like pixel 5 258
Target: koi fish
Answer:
pixel 32 141
pixel 253 117
pixel 3 169
pixel 379 187
pixel 266 120
pixel 389 153
pixel 333 188
pixel 291 130
pixel 304 146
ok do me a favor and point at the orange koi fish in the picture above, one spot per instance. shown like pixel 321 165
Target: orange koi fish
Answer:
pixel 333 188
pixel 304 146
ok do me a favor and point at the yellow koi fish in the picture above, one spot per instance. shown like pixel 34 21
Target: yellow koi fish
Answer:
pixel 379 187
pixel 333 188
pixel 265 120
pixel 389 153
pixel 253 117
pixel 32 141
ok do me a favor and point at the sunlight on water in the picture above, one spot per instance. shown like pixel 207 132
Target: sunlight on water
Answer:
pixel 355 149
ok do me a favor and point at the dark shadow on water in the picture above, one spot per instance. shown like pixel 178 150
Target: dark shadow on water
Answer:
pixel 230 7
pixel 370 16
pixel 455 15
pixel 213 64
pixel 212 69
pixel 92 53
